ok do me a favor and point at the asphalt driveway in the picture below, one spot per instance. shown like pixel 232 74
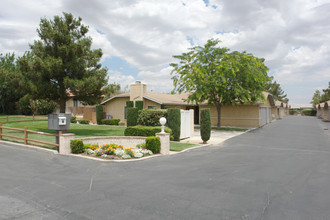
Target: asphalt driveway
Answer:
pixel 280 171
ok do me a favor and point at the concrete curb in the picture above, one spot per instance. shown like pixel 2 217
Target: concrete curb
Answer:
pixel 115 161
pixel 31 147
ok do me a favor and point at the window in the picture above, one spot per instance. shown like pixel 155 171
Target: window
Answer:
pixel 76 103
pixel 125 113
pixel 152 107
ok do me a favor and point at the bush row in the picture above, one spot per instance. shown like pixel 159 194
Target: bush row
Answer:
pixel 110 121
pixel 144 131
pixel 311 112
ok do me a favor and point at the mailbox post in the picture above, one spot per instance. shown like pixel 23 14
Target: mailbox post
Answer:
pixel 59 122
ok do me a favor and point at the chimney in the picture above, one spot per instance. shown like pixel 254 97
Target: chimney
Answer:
pixel 137 91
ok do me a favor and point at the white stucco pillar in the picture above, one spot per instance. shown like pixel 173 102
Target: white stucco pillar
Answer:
pixel 64 141
pixel 164 143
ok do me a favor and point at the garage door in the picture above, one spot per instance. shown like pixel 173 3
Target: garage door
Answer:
pixel 263 116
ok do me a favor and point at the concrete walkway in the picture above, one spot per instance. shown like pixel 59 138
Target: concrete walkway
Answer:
pixel 217 137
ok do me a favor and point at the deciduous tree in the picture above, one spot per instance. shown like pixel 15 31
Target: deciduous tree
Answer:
pixel 213 75
pixel 12 87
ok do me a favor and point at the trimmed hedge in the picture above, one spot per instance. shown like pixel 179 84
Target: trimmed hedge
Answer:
pixel 73 119
pixel 144 131
pixel 174 122
pixel 311 112
pixel 132 116
pixel 77 146
pixel 139 105
pixel 110 121
pixel 205 126
pixel 293 112
pixel 153 144
pixel 99 114
pixel 129 104
pixel 84 121
pixel 150 117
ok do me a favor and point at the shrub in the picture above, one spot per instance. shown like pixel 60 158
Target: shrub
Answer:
pixel 84 121
pixel 73 119
pixel 139 105
pixel 174 122
pixel 153 144
pixel 293 112
pixel 132 116
pixel 77 146
pixel 24 105
pixel 129 104
pixel 311 112
pixel 99 114
pixel 144 131
pixel 205 126
pixel 150 117
pixel 43 106
pixel 110 121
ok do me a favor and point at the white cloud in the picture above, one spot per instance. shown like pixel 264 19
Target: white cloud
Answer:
pixel 119 78
pixel 293 36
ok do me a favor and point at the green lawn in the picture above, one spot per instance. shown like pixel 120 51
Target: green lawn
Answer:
pixel 178 146
pixel 80 131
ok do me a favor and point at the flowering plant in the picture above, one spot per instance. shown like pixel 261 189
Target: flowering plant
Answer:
pixel 118 150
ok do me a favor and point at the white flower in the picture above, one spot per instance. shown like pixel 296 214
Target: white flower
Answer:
pixel 138 154
pixel 89 151
pixel 146 152
pixel 119 152
pixel 104 156
pixel 126 156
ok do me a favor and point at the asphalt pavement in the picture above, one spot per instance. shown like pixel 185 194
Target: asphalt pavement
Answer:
pixel 280 171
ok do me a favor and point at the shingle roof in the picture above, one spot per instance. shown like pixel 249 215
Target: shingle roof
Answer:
pixel 167 99
pixel 176 99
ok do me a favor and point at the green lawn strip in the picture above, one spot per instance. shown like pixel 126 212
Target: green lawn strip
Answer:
pixel 178 146
pixel 225 128
pixel 13 118
pixel 80 131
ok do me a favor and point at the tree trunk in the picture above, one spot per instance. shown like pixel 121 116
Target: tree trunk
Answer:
pixel 219 114
pixel 62 105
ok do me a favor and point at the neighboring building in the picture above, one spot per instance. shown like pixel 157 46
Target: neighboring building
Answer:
pixel 278 110
pixel 247 115
pixel 323 110
pixel 78 109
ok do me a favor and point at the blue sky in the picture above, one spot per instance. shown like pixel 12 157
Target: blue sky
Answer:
pixel 139 37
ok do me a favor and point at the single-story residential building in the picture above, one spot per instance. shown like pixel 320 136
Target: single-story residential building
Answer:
pixel 323 110
pixel 247 115
pixel 279 110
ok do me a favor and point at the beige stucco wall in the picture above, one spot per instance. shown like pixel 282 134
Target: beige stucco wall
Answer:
pixel 282 112
pixel 274 113
pixel 325 113
pixel 235 116
pixel 116 108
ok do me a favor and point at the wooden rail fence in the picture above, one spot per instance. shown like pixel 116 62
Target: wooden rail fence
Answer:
pixel 26 134
pixel 6 119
